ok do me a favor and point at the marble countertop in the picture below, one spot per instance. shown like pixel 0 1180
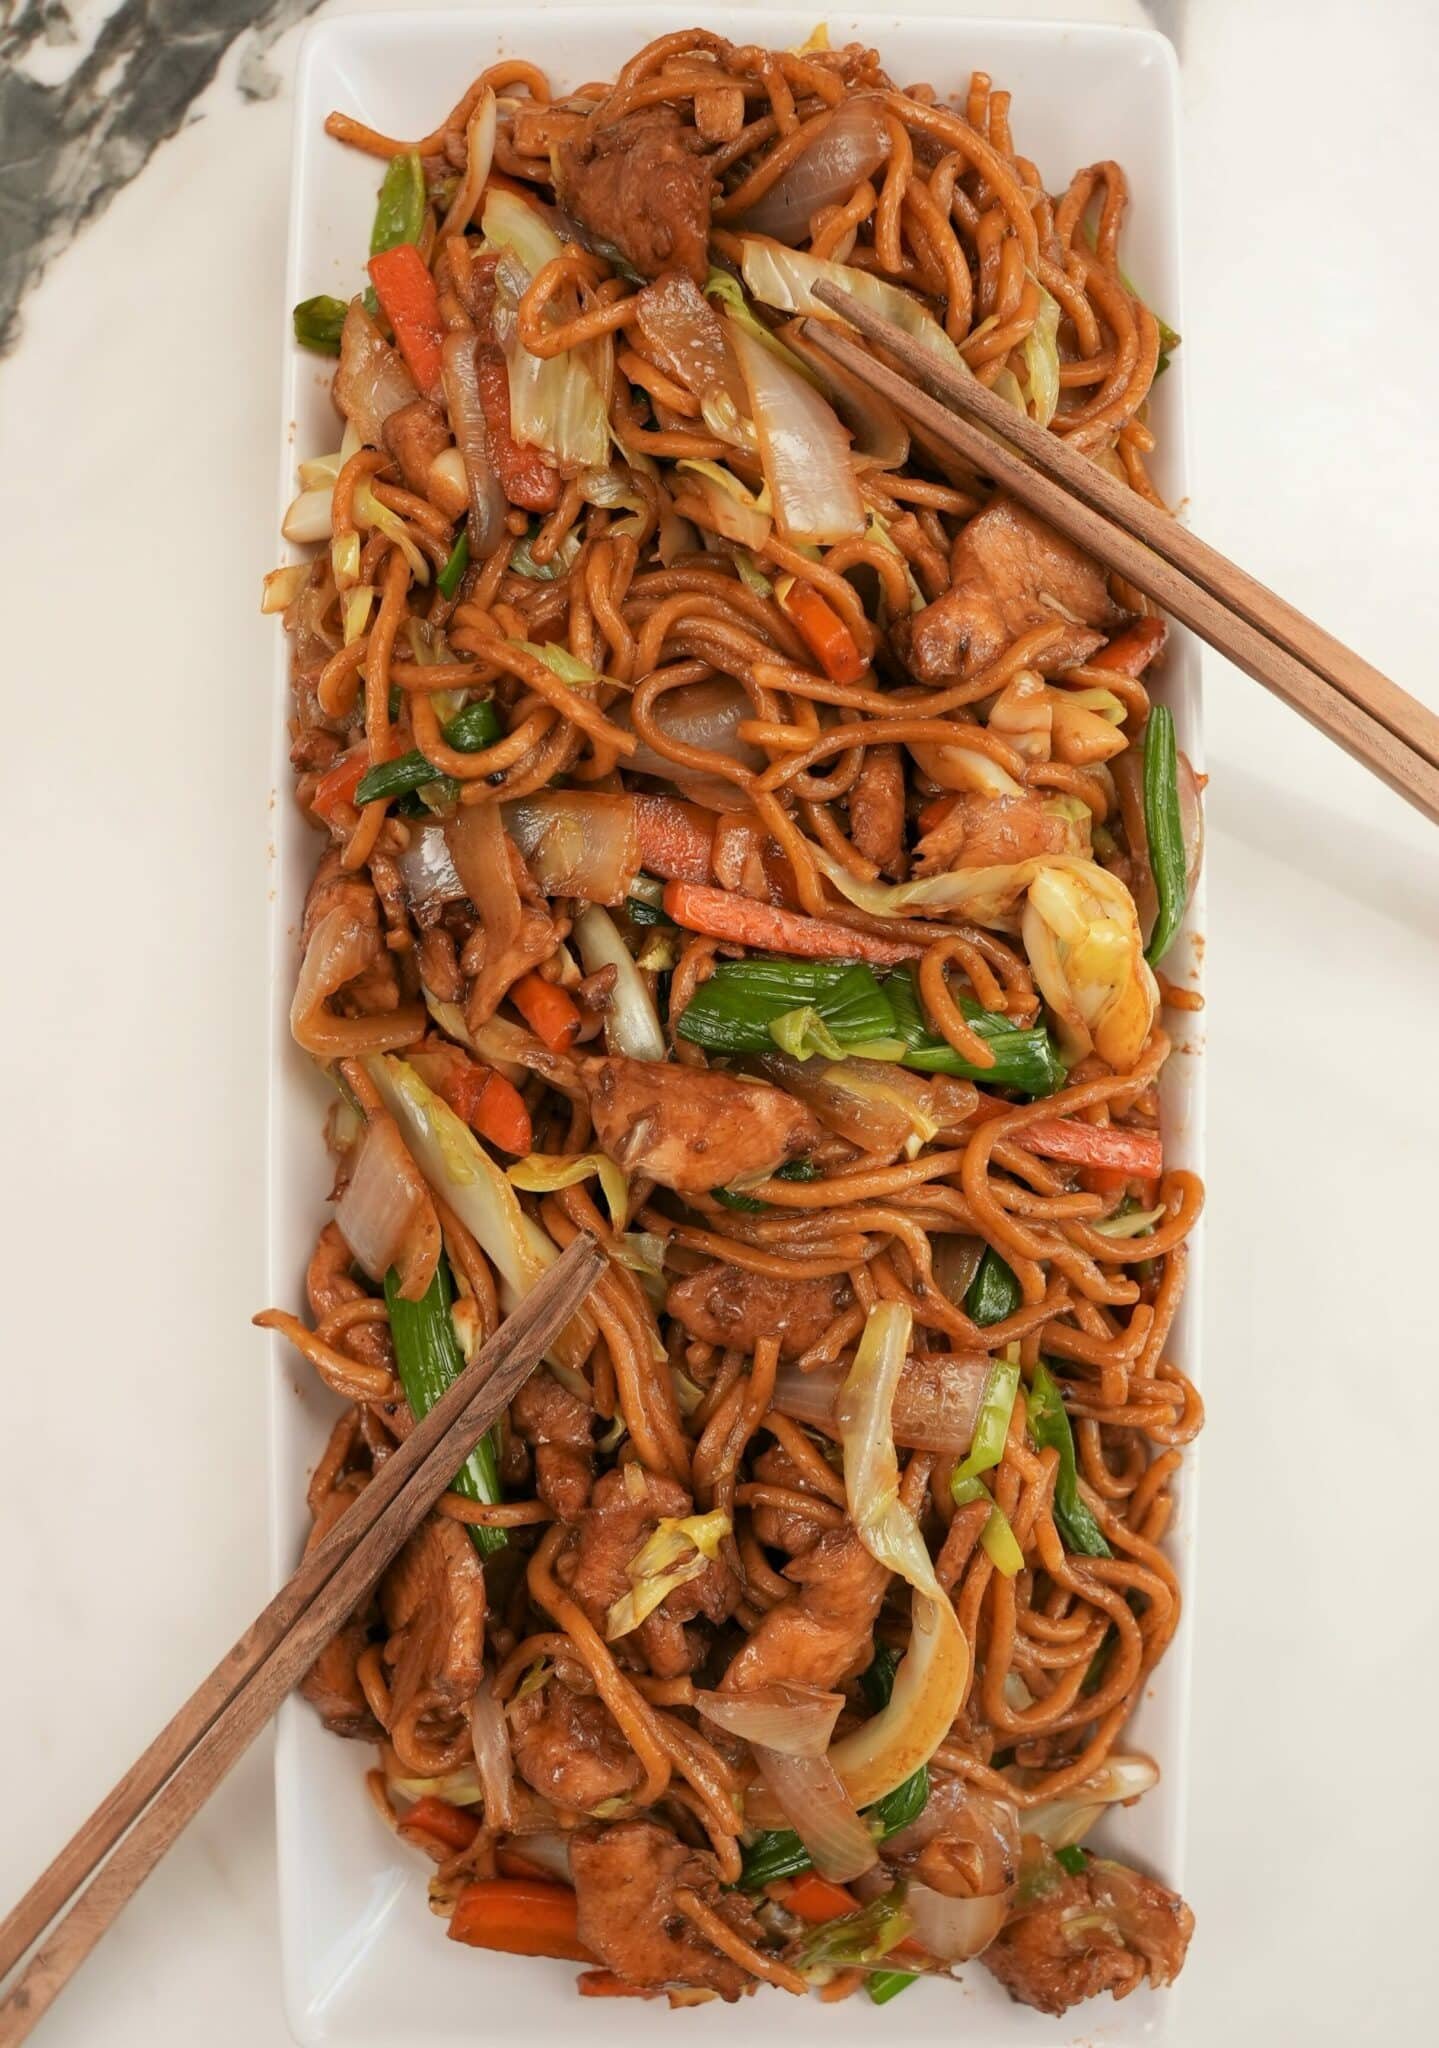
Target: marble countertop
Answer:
pixel 144 155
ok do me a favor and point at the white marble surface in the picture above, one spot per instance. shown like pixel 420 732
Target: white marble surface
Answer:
pixel 136 499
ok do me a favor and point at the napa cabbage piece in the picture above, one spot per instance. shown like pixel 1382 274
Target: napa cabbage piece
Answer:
pixel 931 1679
pixel 1041 360
pixel 681 1547
pixel 460 1171
pixel 786 278
pixel 556 402
pixel 545 1173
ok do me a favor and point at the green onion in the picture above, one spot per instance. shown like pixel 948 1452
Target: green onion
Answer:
pixel 733 1011
pixel 883 1985
pixel 400 208
pixel 779 1852
pixel 455 566
pixel 793 1169
pixel 994 1293
pixel 862 1937
pixel 1164 828
pixel 1049 1426
pixel 876 1681
pixel 1023 1060
pixel 318 322
pixel 427 1353
pixel 991 1426
pixel 1000 1542
pixel 470 731
pixel 1072 1858
pixel 804 1035
pixel 640 912
pixel 905 1803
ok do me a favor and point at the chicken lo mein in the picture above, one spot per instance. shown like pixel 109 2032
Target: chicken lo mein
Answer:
pixel 748 838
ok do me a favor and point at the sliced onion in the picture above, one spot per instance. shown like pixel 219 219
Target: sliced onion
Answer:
pixel 448 484
pixel 984 1825
pixel 309 518
pixel 935 1402
pixel 632 1026
pixel 372 381
pixel 881 439
pixel 548 1849
pixel 429 873
pixel 377 1210
pixel 934 1672
pixel 728 508
pixel 845 151
pixel 804 449
pixel 796 1720
pixel 820 1811
pixel 876 1105
pixel 1118 1780
pixel 955 1261
pixel 481 854
pixel 490 1734
pixel 687 338
pixel 461 379
pixel 953 1930
pixel 340 948
pixel 479 153
pixel 577 842
pixel 705 716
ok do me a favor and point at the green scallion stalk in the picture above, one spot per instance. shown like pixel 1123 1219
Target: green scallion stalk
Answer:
pixel 1164 828
pixel 883 1985
pixel 991 1425
pixel 1049 1426
pixel 318 322
pixel 1072 1859
pixel 470 731
pixel 994 1293
pixel 400 207
pixel 779 1852
pixel 1000 1543
pixel 1023 1060
pixel 876 1681
pixel 429 1360
pixel 456 564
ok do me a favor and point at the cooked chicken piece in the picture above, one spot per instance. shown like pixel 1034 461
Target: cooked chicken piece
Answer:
pixel 626 1876
pixel 567 1747
pixel 993 831
pixel 330 1283
pixel 1010 574
pixel 433 1601
pixel 822 1633
pixel 330 1684
pixel 780 1528
pixel 639 184
pixel 690 1129
pixel 415 435
pixel 1106 1930
pixel 725 1305
pixel 376 990
pixel 624 1512
pixel 556 1424
pixel 876 809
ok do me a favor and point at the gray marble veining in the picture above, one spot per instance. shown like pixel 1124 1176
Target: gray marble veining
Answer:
pixel 68 143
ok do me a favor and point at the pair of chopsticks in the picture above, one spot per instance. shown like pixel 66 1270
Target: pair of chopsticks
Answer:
pixel 1375 721
pixel 169 1783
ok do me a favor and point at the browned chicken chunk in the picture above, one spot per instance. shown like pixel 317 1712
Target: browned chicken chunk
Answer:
pixel 780 1528
pixel 993 831
pixel 626 1877
pixel 624 1513
pixel 556 1425
pixel 1107 1930
pixel 433 1601
pixel 822 1633
pixel 722 1304
pixel 1011 573
pixel 567 1747
pixel 876 809
pixel 693 1130
pixel 375 989
pixel 415 435
pixel 640 184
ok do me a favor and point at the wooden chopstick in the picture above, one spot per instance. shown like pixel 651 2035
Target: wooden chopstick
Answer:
pixel 1369 715
pixel 167 1785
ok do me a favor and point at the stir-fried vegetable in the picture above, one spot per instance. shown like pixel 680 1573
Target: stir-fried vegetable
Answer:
pixel 429 1360
pixel 883 1985
pixel 1049 1426
pixel 520 1915
pixel 456 564
pixel 804 449
pixel 409 301
pixel 318 323
pixel 555 402
pixel 994 1293
pixel 1164 828
pixel 787 277
pixel 985 1451
pixel 779 1852
pixel 472 729
pixel 681 1548
pixel 400 207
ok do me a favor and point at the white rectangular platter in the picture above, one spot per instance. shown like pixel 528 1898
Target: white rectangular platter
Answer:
pixel 364 1960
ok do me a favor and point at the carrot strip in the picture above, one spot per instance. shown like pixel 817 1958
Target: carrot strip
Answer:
pixel 676 839
pixel 406 292
pixel 745 922
pixel 520 1916
pixel 823 631
pixel 551 1014
pixel 814 1898
pixel 338 783
pixel 1060 1137
pixel 1130 652
pixel 446 1823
